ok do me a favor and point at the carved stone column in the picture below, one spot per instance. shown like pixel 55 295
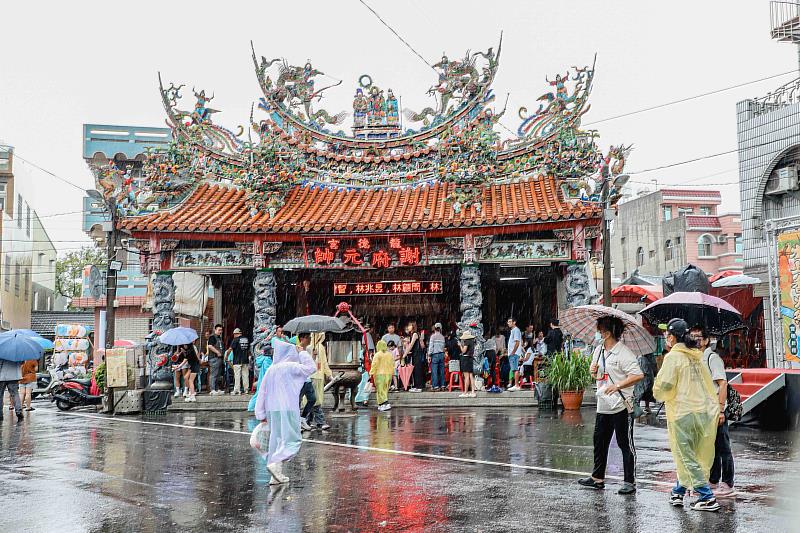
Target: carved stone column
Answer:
pixel 471 300
pixel 577 284
pixel 265 304
pixel 163 302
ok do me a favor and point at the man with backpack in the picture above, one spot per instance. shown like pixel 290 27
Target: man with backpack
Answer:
pixel 722 467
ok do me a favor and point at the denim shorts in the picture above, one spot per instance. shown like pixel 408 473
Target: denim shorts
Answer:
pixel 513 361
pixel 31 385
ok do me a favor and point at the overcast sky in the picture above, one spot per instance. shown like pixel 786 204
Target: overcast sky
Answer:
pixel 69 63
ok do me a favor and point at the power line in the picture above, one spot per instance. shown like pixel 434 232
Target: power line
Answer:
pixel 396 34
pixel 689 98
pixel 34 165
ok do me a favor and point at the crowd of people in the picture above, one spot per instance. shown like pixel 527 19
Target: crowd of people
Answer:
pixel 693 386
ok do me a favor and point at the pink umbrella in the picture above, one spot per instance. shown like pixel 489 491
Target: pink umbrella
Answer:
pixel 122 343
pixel 405 374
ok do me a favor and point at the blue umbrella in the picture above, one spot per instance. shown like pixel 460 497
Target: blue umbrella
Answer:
pixel 178 336
pixel 17 347
pixel 46 344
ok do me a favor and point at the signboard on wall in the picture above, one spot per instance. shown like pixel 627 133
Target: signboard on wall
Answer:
pixel 365 251
pixel 116 368
pixel 382 288
pixel 203 259
pixel 789 271
pixel 521 251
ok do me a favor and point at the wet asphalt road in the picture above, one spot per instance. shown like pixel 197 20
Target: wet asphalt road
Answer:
pixel 450 469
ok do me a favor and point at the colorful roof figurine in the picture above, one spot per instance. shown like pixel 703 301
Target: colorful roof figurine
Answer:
pixel 449 169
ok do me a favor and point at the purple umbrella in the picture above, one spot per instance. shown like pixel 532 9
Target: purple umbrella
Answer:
pixel 696 308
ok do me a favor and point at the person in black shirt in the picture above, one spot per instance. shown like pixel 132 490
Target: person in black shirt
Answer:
pixel 216 347
pixel 554 339
pixel 240 352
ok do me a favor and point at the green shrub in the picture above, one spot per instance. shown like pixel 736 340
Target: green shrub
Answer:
pixel 100 376
pixel 569 373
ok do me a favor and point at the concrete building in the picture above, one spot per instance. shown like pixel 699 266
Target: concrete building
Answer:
pixel 664 230
pixel 43 278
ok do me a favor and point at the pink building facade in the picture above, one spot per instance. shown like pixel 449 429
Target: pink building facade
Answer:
pixel 659 232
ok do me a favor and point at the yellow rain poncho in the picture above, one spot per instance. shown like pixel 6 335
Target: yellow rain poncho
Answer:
pixel 684 385
pixel 382 370
pixel 323 370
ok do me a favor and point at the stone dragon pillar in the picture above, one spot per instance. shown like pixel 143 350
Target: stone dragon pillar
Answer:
pixel 577 285
pixel 265 304
pixel 471 302
pixel 163 319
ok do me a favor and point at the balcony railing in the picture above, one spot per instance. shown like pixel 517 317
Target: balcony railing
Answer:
pixel 785 21
pixel 783 96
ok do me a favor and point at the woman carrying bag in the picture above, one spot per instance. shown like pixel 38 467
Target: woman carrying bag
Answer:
pixel 616 369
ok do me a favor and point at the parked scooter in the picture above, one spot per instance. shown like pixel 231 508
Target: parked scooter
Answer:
pixel 73 392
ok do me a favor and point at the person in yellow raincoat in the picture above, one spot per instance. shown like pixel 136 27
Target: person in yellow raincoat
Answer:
pixel 684 385
pixel 317 418
pixel 382 370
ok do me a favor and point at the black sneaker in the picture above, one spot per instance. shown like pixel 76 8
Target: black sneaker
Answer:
pixel 20 418
pixel 706 505
pixel 591 483
pixel 676 500
pixel 627 488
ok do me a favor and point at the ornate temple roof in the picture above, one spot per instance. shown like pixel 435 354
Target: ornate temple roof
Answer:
pixel 445 167
pixel 217 208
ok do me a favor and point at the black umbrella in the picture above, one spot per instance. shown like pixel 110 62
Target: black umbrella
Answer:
pixel 696 308
pixel 315 324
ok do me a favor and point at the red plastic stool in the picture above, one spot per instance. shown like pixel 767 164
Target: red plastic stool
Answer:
pixel 455 376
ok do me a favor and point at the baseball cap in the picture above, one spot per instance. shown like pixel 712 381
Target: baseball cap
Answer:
pixel 237 330
pixel 677 327
pixel 438 325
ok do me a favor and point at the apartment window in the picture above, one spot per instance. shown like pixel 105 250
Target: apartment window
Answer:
pixel 49 304
pixel 739 243
pixel 40 260
pixel 7 282
pixel 651 254
pixel 17 276
pixel 683 211
pixel 19 210
pixel 2 196
pixel 669 250
pixel 704 246
pixel 639 256
pixel 35 300
pixel 27 220
pixel 705 210
pixel 27 288
pixel 677 240
pixel 667 212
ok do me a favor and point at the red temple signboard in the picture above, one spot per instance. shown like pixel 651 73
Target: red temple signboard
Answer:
pixel 376 288
pixel 365 251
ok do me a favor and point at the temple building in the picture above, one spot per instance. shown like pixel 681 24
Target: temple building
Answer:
pixel 428 216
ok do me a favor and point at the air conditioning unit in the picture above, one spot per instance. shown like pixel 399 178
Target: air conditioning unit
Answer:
pixel 722 239
pixel 782 180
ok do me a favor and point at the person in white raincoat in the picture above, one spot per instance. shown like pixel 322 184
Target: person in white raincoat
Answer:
pixel 278 404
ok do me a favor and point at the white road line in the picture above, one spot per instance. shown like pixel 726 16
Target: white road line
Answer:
pixel 656 483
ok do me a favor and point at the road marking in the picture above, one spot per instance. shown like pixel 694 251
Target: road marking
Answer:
pixel 655 483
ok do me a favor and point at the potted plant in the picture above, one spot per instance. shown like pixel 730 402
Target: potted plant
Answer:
pixel 570 376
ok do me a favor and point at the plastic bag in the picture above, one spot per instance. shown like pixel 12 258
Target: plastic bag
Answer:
pixel 259 439
pixel 369 388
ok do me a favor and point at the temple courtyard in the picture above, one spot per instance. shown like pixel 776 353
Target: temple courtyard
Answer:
pixel 410 469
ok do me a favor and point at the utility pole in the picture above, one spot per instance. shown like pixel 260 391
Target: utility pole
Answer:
pixel 111 289
pixel 606 238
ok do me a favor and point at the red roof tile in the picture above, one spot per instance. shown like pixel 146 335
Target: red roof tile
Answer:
pixel 123 301
pixel 690 193
pixel 702 221
pixel 218 208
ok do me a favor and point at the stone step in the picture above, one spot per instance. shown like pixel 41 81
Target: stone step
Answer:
pixel 526 397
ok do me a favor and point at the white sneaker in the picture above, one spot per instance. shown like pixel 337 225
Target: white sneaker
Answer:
pixel 724 491
pixel 192 397
pixel 304 425
pixel 387 406
pixel 177 393
pixel 384 407
pixel 462 395
pixel 277 472
pixel 185 392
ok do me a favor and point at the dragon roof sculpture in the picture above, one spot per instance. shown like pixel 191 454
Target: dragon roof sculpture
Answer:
pixel 455 140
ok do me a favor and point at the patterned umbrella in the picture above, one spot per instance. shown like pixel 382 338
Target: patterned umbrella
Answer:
pixel 581 323
pixel 696 308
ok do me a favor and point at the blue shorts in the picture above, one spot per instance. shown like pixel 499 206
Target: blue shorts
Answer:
pixel 513 361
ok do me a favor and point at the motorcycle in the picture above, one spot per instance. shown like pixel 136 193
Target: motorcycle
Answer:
pixel 73 392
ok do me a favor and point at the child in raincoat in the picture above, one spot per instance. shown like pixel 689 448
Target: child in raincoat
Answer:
pixel 382 371
pixel 317 418
pixel 684 385
pixel 277 403
pixel 263 362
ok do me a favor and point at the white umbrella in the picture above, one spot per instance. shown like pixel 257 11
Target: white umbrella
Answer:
pixel 178 336
pixel 737 280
